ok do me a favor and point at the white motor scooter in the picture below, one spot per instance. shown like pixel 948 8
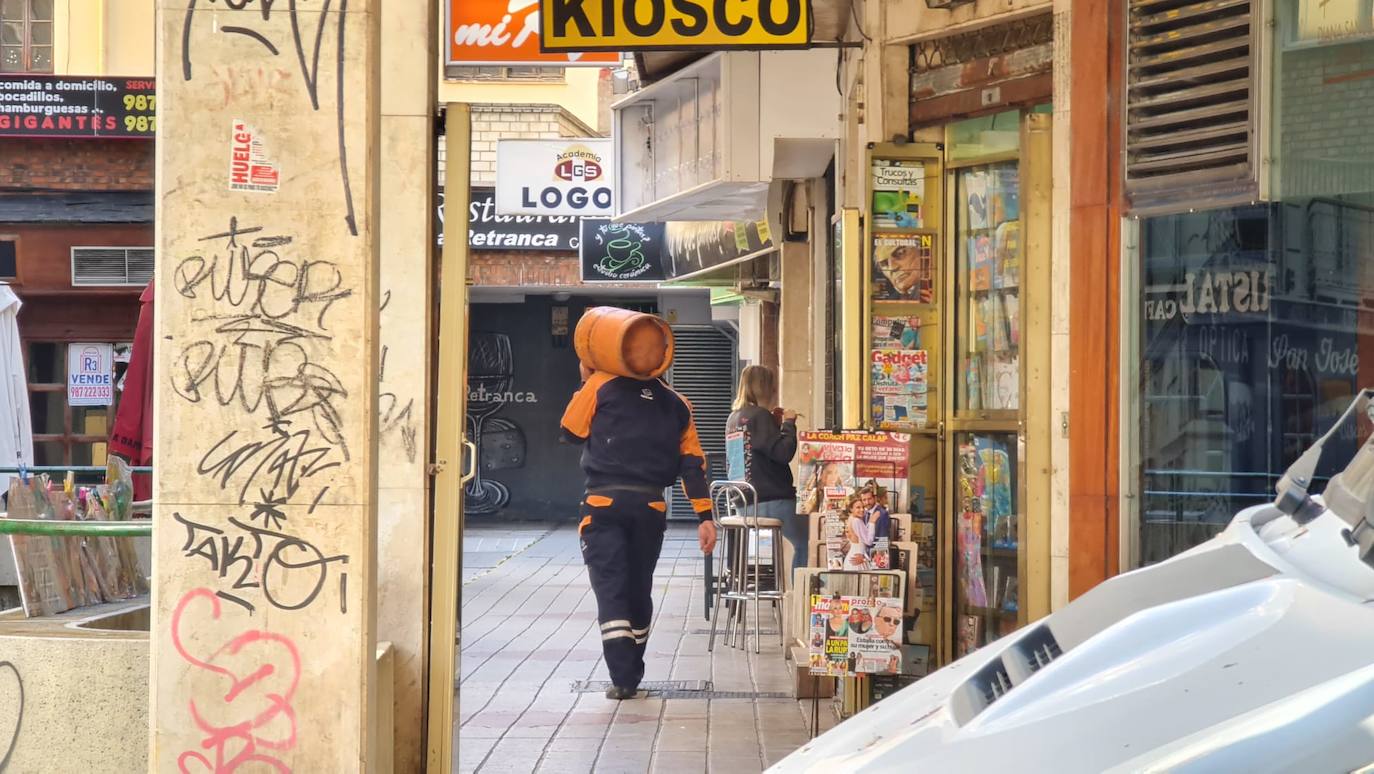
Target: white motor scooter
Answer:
pixel 1253 652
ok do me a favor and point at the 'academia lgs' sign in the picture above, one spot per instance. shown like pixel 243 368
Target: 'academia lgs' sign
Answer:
pixel 554 177
pixel 648 25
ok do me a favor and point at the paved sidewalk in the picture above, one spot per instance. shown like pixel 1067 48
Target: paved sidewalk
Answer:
pixel 530 633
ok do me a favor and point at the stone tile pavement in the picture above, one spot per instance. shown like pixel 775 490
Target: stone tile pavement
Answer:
pixel 529 632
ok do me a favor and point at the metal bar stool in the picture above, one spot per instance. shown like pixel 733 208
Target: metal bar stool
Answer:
pixel 734 507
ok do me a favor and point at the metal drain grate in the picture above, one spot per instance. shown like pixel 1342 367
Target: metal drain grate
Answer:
pixel 720 632
pixel 600 686
pixel 679 689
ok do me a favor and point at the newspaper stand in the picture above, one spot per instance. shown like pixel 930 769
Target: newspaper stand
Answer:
pixel 862 596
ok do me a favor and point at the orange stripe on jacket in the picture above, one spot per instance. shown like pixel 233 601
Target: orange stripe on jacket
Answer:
pixel 694 469
pixel 577 417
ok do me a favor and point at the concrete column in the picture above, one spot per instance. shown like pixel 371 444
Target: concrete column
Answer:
pixel 407 239
pixel 264 633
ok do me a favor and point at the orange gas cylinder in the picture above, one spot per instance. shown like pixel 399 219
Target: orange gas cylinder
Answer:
pixel 624 343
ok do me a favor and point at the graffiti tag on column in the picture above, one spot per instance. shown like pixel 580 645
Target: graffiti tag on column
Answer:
pixel 397 419
pixel 251 717
pixel 307 42
pixel 267 323
pixel 291 572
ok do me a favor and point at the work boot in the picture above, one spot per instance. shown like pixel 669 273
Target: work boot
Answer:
pixel 617 693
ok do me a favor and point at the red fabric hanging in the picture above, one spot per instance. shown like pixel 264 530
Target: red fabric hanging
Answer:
pixel 133 427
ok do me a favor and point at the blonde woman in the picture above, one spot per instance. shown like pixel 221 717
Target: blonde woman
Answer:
pixel 773 441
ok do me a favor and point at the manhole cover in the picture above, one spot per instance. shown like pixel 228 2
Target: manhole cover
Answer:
pixel 680 689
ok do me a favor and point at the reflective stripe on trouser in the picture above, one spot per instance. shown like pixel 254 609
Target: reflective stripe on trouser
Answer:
pixel 620 546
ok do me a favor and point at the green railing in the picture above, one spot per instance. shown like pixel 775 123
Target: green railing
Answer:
pixel 67 528
pixel 55 528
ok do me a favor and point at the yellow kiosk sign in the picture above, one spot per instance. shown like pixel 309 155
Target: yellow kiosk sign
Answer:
pixel 658 25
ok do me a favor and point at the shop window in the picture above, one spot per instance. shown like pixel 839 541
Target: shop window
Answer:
pixel 26 36
pixel 1323 99
pixel 1252 334
pixel 64 434
pixel 9 258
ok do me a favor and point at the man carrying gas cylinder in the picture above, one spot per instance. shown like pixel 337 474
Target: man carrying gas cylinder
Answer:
pixel 638 438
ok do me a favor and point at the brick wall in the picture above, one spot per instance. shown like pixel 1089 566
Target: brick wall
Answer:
pixel 513 269
pixel 531 122
pixel 1323 118
pixel 76 164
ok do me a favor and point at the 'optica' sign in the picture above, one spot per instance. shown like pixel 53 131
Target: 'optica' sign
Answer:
pixel 553 177
pixel 674 25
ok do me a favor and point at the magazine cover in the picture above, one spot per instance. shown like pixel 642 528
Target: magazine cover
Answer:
pixel 899 188
pixel 975 185
pixel 899 412
pixel 825 471
pixel 904 268
pixel 900 371
pixel 971 559
pixel 900 384
pixel 855 635
pixel 896 332
pixel 1008 254
pixel 970 632
pixel 1004 198
pixel 833 467
pixel 836 542
pixel 981 262
pixel 861 536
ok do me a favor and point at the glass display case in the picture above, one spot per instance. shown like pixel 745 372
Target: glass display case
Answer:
pixel 988 541
pixel 987 242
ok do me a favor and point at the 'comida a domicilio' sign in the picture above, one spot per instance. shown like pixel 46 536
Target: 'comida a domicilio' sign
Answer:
pixel 668 25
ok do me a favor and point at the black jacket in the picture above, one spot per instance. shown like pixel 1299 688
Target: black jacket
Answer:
pixel 774 446
pixel 639 433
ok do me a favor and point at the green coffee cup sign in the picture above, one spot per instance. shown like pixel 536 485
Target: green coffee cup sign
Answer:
pixel 622 252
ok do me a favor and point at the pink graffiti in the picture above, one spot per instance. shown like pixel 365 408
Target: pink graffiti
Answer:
pixel 253 717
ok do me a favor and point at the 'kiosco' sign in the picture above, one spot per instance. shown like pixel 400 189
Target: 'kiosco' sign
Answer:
pixel 649 25
pixel 553 177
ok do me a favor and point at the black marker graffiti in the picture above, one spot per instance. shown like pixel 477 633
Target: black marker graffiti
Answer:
pixel 276 468
pixel 259 355
pixel 396 420
pixel 309 63
pixel 289 571
pixel 257 350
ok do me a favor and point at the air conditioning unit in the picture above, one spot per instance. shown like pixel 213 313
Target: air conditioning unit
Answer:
pixel 705 142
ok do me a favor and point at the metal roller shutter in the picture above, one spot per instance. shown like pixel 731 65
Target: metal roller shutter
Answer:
pixel 705 366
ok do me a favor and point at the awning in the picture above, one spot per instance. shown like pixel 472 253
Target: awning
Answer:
pixel 92 207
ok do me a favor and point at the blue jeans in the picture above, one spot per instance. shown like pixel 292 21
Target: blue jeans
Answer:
pixel 793 527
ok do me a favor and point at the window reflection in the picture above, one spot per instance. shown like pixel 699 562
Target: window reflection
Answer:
pixel 1251 349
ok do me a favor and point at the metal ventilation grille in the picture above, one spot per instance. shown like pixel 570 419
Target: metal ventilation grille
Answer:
pixel 1191 95
pixel 704 365
pixel 99 266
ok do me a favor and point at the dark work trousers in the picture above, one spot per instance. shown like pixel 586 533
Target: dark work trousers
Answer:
pixel 622 534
